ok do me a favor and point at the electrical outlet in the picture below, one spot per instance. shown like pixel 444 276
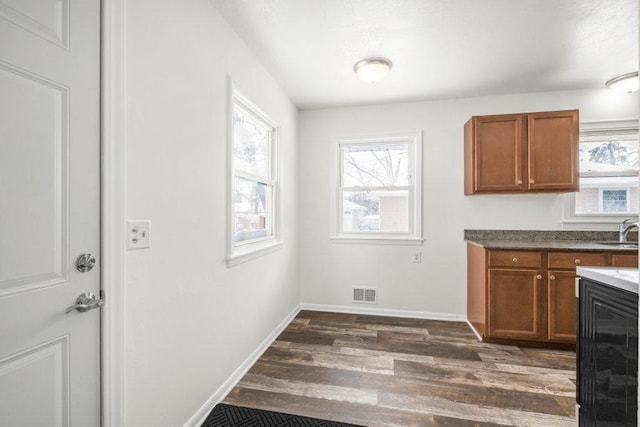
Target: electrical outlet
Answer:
pixel 138 234
pixel 417 257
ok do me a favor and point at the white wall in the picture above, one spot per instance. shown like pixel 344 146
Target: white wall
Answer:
pixel 438 284
pixel 190 320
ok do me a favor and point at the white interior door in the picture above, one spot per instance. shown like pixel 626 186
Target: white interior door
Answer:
pixel 49 211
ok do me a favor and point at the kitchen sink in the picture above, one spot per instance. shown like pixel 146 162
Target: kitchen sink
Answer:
pixel 621 245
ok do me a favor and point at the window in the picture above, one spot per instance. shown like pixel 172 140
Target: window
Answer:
pixel 614 200
pixel 608 173
pixel 377 197
pixel 254 186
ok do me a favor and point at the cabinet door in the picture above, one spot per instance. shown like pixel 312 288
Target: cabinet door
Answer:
pixel 498 148
pixel 562 306
pixel 515 303
pixel 553 151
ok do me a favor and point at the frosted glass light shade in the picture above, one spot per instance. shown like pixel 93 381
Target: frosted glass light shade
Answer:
pixel 372 70
pixel 626 83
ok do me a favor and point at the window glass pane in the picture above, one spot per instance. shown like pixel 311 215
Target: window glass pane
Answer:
pixel 608 171
pixel 252 201
pixel 597 194
pixel 375 211
pixel 609 157
pixel 378 165
pixel 251 144
pixel 614 200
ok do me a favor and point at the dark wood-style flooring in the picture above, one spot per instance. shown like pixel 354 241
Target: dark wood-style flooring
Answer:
pixel 383 371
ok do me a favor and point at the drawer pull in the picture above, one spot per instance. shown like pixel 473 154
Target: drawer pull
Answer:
pixel 539 276
pixel 552 277
pixel 515 259
pixel 577 260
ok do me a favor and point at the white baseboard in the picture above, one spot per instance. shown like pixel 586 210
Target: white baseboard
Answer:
pixel 474 331
pixel 384 312
pixel 198 418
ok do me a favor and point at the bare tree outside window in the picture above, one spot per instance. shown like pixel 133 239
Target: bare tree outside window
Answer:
pixel 253 176
pixel 375 183
pixel 371 166
pixel 617 153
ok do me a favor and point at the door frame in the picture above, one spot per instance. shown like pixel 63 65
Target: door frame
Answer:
pixel 113 210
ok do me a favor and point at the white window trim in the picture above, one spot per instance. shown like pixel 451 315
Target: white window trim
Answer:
pixel 246 251
pixel 414 139
pixel 599 221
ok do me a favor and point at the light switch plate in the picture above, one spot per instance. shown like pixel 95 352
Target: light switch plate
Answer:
pixel 138 234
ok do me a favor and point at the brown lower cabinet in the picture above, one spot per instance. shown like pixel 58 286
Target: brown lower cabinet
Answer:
pixel 562 305
pixel 529 296
pixel 521 317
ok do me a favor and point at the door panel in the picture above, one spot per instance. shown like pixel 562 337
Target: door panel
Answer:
pixel 562 306
pixel 514 303
pixel 47 19
pixel 49 211
pixel 33 117
pixel 553 144
pixel 44 371
pixel 498 148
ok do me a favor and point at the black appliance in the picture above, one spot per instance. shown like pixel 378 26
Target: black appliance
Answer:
pixel 607 355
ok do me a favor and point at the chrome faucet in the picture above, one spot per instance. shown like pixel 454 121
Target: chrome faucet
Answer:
pixel 628 229
pixel 621 229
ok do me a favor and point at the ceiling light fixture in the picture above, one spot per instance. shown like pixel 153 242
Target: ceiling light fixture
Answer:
pixel 625 83
pixel 372 70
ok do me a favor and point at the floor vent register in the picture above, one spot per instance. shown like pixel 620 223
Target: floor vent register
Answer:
pixel 365 295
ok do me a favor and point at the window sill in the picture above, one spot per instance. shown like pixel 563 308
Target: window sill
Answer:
pixel 596 222
pixel 377 240
pixel 253 253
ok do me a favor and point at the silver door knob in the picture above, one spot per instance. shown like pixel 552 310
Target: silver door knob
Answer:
pixel 85 262
pixel 85 302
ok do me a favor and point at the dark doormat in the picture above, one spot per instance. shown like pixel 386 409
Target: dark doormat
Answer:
pixel 223 415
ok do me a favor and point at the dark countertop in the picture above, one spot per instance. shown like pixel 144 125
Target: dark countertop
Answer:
pixel 542 240
pixel 554 245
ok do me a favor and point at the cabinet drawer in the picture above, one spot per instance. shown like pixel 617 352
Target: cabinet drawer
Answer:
pixel 577 259
pixel 515 259
pixel 624 260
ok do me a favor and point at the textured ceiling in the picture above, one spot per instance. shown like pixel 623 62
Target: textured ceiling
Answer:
pixel 439 48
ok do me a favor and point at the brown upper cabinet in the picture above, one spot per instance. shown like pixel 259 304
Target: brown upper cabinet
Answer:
pixel 521 153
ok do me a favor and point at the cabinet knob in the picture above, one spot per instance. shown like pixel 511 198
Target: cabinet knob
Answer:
pixel 577 260
pixel 519 182
pixel 532 181
pixel 515 259
pixel 539 276
pixel 552 277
